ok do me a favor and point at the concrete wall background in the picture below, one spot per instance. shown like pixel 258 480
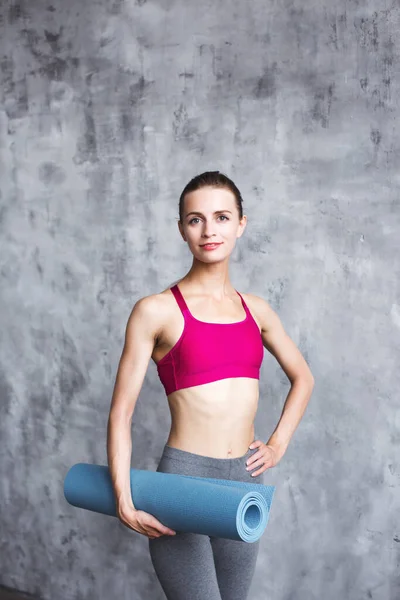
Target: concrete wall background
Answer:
pixel 107 110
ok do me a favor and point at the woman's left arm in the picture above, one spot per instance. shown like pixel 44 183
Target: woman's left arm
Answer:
pixel 278 343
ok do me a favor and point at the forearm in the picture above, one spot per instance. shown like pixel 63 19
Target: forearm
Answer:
pixel 119 450
pixel 292 412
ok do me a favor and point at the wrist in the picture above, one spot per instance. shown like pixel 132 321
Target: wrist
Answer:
pixel 278 446
pixel 123 503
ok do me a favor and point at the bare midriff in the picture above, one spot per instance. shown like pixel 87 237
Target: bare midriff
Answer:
pixel 214 419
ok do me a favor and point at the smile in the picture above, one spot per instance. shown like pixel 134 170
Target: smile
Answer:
pixel 210 246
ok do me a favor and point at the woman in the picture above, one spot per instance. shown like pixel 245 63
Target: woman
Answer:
pixel 208 342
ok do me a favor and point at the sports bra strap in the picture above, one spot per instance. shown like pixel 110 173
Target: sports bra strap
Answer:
pixel 179 298
pixel 183 306
pixel 246 308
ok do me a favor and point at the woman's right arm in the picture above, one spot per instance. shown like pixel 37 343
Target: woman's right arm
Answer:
pixel 143 327
pixel 140 337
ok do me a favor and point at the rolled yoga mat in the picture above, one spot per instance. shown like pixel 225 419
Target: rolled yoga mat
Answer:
pixel 216 507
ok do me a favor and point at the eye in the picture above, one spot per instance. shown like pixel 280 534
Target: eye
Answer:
pixel 196 218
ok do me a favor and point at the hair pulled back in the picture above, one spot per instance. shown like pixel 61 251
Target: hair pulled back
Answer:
pixel 214 179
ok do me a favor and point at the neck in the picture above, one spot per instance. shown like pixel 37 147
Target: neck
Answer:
pixel 210 280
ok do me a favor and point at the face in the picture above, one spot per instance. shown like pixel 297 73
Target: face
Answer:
pixel 216 220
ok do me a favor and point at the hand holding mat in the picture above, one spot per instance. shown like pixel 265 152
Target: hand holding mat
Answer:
pixel 216 507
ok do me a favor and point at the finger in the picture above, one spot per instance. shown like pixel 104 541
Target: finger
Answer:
pixel 156 531
pixel 256 473
pixel 255 444
pixel 257 464
pixel 156 526
pixel 254 457
pixel 165 531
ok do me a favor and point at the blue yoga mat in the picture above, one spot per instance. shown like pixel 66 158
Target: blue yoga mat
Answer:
pixel 216 507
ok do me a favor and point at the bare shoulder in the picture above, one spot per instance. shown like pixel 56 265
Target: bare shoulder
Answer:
pixel 263 311
pixel 152 310
pixel 146 311
pixel 146 306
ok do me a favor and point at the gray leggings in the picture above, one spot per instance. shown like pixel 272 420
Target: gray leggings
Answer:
pixel 192 566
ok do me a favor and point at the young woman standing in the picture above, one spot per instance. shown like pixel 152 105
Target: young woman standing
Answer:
pixel 207 341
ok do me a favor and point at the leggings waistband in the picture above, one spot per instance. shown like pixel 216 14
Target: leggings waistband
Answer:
pixel 172 452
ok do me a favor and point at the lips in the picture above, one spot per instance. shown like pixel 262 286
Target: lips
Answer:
pixel 210 245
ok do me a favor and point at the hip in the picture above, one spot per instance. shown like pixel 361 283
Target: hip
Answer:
pixel 180 462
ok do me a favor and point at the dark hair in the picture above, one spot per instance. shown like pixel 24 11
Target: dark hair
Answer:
pixel 211 179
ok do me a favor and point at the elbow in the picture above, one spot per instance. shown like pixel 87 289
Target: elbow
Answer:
pixel 305 379
pixel 310 381
pixel 308 377
pixel 118 418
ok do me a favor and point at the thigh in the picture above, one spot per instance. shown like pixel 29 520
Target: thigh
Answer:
pixel 235 560
pixel 235 563
pixel 184 565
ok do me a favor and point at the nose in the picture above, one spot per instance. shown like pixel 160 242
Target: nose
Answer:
pixel 207 230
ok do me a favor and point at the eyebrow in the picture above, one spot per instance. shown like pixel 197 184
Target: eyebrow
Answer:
pixel 215 212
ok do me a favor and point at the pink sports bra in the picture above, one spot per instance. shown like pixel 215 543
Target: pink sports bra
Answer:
pixel 208 352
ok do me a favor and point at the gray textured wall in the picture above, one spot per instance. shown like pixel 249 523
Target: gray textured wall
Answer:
pixel 107 109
